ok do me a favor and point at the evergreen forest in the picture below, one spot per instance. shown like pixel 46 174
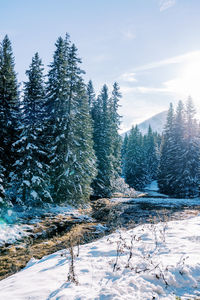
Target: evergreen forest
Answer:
pixel 60 141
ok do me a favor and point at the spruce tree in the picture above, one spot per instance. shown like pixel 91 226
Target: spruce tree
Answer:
pixel 91 95
pixel 102 185
pixel 179 167
pixel 135 168
pixel 9 107
pixel 30 175
pixel 85 161
pixel 71 143
pixel 151 156
pixel 123 152
pixel 191 175
pixel 176 185
pixel 166 163
pixel 2 189
pixel 187 180
pixel 56 120
pixel 115 123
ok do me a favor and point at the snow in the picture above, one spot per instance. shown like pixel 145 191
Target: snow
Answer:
pixel 12 233
pixel 153 186
pixel 174 259
pixel 12 227
pixel 153 190
pixel 35 179
pixel 167 202
pixel 34 194
pixel 26 182
pixel 159 201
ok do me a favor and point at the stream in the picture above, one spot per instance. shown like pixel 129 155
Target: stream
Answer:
pixel 60 229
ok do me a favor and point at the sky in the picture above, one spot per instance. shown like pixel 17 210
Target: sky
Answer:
pixel 150 47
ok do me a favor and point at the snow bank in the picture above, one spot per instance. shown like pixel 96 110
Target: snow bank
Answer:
pixel 173 267
pixel 12 229
pixel 167 202
pixel 12 233
pixel 153 186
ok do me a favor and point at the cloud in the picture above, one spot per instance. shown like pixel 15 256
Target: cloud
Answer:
pixel 166 4
pixel 128 77
pixel 145 89
pixel 169 61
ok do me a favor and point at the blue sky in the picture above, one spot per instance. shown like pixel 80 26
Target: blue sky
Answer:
pixel 151 47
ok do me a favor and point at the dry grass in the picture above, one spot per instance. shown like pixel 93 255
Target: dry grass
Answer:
pixel 15 258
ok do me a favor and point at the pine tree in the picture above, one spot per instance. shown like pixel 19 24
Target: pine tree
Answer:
pixel 85 163
pixel 191 159
pixel 102 185
pixel 176 186
pixel 9 107
pixel 151 156
pixel 115 123
pixel 56 120
pixel 91 95
pixel 30 174
pixel 2 189
pixel 135 168
pixel 166 164
pixel 179 167
pixel 71 136
pixel 123 152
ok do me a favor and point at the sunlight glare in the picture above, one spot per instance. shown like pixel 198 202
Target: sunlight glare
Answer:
pixel 188 82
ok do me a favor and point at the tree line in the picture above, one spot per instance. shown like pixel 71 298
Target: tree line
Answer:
pixel 172 159
pixel 140 157
pixel 58 141
pixel 180 153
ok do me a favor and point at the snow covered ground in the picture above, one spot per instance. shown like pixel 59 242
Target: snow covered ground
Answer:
pixel 12 227
pixel 155 262
pixel 166 202
pixel 11 233
pixel 153 186
pixel 160 202
pixel 153 190
pixel 155 198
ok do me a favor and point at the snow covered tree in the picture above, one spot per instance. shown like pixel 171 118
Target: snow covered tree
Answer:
pixel 135 168
pixel 72 159
pixel 30 174
pixel 107 141
pixel 191 175
pixel 90 94
pixel 187 154
pixel 84 162
pixel 176 187
pixel 102 185
pixel 2 189
pixel 9 107
pixel 179 167
pixel 151 156
pixel 56 120
pixel 123 151
pixel 166 165
pixel 115 123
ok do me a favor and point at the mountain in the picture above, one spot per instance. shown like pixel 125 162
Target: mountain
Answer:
pixel 157 123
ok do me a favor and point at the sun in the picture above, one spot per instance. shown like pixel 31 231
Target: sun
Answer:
pixel 190 79
pixel 187 83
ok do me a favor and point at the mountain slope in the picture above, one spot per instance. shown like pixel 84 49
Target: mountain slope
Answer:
pixel 157 123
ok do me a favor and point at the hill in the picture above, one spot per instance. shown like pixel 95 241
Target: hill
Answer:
pixel 157 123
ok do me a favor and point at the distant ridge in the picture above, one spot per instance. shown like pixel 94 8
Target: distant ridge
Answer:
pixel 157 123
